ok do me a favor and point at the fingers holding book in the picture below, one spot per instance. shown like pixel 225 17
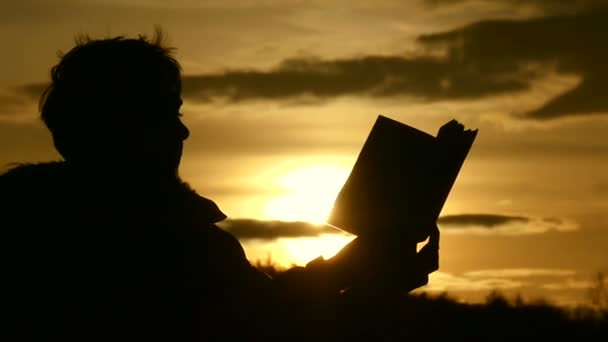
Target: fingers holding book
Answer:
pixel 428 256
pixel 451 130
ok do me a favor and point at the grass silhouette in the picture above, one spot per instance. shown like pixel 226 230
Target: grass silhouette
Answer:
pixel 439 316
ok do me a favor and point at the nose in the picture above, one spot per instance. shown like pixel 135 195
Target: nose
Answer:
pixel 182 131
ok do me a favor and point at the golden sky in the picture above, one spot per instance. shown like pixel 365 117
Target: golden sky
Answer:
pixel 280 96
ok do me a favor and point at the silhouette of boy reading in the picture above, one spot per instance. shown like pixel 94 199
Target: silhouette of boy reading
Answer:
pixel 110 244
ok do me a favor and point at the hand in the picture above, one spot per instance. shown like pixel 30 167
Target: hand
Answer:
pixel 428 256
pixel 386 264
pixel 450 131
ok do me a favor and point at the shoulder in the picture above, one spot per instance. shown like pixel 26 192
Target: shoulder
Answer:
pixel 226 262
pixel 205 214
pixel 31 200
pixel 30 185
pixel 224 256
pixel 26 173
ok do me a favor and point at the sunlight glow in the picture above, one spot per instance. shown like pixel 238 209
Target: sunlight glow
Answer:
pixel 303 250
pixel 309 194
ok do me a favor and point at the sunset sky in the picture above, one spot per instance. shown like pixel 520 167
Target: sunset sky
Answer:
pixel 279 97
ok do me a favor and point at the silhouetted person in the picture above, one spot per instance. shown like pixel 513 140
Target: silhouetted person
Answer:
pixel 110 244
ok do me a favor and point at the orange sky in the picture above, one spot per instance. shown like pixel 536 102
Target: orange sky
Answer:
pixel 280 95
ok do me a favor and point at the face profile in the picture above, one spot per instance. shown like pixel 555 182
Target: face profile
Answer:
pixel 113 106
pixel 150 134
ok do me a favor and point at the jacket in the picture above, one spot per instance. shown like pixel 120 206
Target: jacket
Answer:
pixel 87 263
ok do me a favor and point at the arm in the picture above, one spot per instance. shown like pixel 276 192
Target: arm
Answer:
pixel 365 264
pixel 361 264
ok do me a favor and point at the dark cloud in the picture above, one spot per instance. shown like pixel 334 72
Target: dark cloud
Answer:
pixel 570 43
pixel 506 225
pixel 483 220
pixel 601 188
pixel 462 223
pixel 483 59
pixel 271 230
pixel 376 76
pixel 33 91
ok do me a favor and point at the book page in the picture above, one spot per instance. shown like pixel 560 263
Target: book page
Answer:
pixel 400 181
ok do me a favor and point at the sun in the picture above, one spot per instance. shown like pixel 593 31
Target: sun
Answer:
pixel 308 193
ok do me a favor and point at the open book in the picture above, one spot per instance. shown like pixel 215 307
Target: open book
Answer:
pixel 401 180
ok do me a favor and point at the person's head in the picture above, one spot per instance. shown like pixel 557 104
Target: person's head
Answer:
pixel 114 103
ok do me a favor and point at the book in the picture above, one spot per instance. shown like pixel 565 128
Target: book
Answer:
pixel 401 180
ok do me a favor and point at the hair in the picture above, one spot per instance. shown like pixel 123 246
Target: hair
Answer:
pixel 98 76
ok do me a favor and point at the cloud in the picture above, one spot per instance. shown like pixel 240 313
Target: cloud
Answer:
pixel 32 91
pixel 520 273
pixel 502 224
pixel 484 220
pixel 375 76
pixel 601 188
pixel 442 281
pixel 483 59
pixel 551 6
pixel 271 230
pixel 466 223
pixel 569 43
pixel 569 284
pixel 9 102
pixel 15 102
